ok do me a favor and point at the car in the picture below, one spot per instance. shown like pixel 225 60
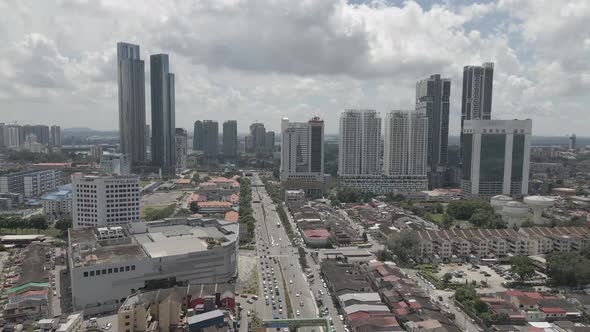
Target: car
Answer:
pixel 248 313
pixel 341 317
pixel 297 313
pixel 290 281
pixel 301 303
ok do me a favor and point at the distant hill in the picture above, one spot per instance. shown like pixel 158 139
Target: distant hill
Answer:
pixel 87 132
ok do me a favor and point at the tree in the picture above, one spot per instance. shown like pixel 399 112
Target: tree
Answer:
pixel 447 221
pixel 196 177
pixel 365 237
pixel 194 207
pixel 438 208
pixel 446 278
pixel 332 242
pixel 464 209
pixel 569 268
pixel 38 222
pixel 465 294
pixel 481 217
pixel 404 245
pixel 480 306
pixel 523 267
pixel 384 255
pixel 63 225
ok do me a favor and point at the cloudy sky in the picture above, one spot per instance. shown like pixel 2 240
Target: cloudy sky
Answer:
pixel 266 59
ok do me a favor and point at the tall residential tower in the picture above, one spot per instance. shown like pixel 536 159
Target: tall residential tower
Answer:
pixel 359 142
pixel 230 139
pixel 163 108
pixel 432 98
pixel 131 78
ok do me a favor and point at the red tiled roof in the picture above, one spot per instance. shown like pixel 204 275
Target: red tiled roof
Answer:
pixel 213 204
pixel 234 198
pixel 415 305
pixel 491 299
pixel 382 271
pixel 321 233
pixel 358 315
pixel 391 277
pixel 400 312
pixel 183 181
pixel 231 216
pixel 375 320
pixel 514 293
pixel 551 310
pixel 533 295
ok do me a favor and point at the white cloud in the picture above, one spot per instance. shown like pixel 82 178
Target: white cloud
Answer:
pixel 265 59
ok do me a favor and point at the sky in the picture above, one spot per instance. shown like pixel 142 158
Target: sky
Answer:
pixel 262 60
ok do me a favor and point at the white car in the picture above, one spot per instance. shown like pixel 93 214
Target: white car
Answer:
pixel 290 281
pixel 297 313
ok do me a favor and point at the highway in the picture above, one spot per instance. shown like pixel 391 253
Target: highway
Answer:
pixel 278 265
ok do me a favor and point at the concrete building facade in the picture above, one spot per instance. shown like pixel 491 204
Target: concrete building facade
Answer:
pixel 230 139
pixel 210 138
pixel 99 201
pixel 180 147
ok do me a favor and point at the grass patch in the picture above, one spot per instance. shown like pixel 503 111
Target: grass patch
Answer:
pixel 50 231
pixel 435 217
pixel 156 212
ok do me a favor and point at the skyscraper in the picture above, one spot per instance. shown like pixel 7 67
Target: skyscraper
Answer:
pixel 269 141
pixel 359 142
pixel 302 156
pixel 432 98
pixel 230 139
pixel 131 78
pixel 55 136
pixel 163 108
pixel 476 103
pixel 496 157
pixel 210 138
pixel 180 147
pixel 405 148
pixel 258 133
pixel 198 137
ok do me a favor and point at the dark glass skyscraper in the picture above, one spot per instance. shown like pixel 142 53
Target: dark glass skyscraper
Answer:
pixel 210 138
pixel 163 122
pixel 476 102
pixel 198 137
pixel 131 78
pixel 230 139
pixel 432 98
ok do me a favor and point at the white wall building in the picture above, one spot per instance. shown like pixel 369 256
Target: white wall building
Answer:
pixel 29 183
pixel 302 155
pixel 115 163
pixel 108 264
pixel 58 204
pixel 405 149
pixel 496 157
pixel 180 148
pixel 104 200
pixel 359 142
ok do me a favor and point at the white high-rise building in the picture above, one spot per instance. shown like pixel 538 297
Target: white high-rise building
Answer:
pixel 359 143
pixel 99 201
pixel 302 155
pixel 180 147
pixel 405 150
pixel 496 157
pixel 55 136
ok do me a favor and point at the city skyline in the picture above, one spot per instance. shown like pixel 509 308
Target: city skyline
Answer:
pixel 77 82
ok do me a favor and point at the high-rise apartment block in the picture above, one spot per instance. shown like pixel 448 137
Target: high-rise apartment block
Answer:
pixel 269 141
pixel 496 157
pixel 359 142
pixel 210 138
pixel 100 201
pixel 181 149
pixel 433 99
pixel 302 156
pixel 55 136
pixel 476 102
pixel 230 139
pixel 163 109
pixel 30 183
pixel 41 133
pixel 198 137
pixel 131 78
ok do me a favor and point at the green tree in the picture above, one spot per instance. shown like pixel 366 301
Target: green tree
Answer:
pixel 464 209
pixel 332 242
pixel 523 267
pixel 404 245
pixel 38 222
pixel 446 278
pixel 481 217
pixel 447 221
pixel 465 294
pixel 194 207
pixel 480 306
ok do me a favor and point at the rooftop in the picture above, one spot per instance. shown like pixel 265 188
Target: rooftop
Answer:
pixel 173 236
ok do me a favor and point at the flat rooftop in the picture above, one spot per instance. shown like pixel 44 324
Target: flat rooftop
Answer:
pixel 159 239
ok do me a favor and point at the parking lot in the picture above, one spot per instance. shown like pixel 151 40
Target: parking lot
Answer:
pixel 468 273
pixel 160 198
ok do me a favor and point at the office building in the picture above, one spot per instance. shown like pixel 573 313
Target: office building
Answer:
pixel 258 133
pixel 269 141
pixel 230 139
pixel 163 109
pixel 302 156
pixel 58 204
pixel 107 264
pixel 249 143
pixel 198 136
pixel 432 98
pixel 181 149
pixel 405 149
pixel 29 183
pixel 148 136
pixel 100 201
pixel 476 102
pixel 359 141
pixel 496 157
pixel 55 136
pixel 131 78
pixel 11 136
pixel 210 138
pixel 115 164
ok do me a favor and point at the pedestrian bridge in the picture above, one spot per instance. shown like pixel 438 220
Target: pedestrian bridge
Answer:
pixel 294 323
